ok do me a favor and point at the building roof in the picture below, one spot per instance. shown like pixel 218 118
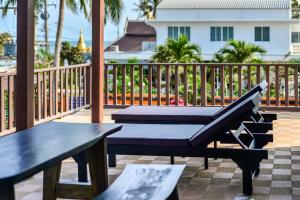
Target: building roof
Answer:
pixel 225 4
pixel 136 32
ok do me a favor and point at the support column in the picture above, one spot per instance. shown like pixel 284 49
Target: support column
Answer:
pixel 97 60
pixel 25 63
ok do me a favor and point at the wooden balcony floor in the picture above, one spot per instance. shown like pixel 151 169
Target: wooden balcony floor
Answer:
pixel 279 178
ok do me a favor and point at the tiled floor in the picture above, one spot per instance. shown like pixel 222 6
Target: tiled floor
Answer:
pixel 279 178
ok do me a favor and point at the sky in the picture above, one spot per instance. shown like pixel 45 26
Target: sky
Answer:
pixel 73 23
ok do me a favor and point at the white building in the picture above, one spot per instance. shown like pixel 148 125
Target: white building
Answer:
pixel 210 23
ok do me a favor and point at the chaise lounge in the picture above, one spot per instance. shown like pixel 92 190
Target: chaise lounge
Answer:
pixel 184 115
pixel 193 140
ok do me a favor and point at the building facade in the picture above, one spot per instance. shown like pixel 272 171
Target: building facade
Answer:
pixel 210 24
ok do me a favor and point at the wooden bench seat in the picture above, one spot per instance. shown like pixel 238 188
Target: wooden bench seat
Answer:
pixel 145 182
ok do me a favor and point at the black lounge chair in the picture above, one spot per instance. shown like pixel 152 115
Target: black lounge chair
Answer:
pixel 193 140
pixel 183 115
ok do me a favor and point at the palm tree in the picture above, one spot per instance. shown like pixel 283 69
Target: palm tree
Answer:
pixel 177 51
pixel 147 8
pixel 240 52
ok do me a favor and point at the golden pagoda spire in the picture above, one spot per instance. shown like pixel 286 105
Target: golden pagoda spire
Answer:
pixel 81 43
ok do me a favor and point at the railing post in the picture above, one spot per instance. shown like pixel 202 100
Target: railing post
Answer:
pixel 25 65
pixel 286 85
pixel 203 86
pixel 194 85
pixel 296 85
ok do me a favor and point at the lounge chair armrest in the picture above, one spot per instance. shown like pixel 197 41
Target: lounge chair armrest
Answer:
pixel 261 127
pixel 269 117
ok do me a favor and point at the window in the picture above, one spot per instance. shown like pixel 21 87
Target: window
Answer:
pixel 295 37
pixel 221 33
pixel 148 46
pixel 174 32
pixel 262 34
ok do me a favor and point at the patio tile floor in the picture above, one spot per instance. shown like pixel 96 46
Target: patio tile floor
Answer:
pixel 279 178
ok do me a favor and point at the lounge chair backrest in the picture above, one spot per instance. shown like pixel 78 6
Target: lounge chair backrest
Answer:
pixel 226 121
pixel 259 88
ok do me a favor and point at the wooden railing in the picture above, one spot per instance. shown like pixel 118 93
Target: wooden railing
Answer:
pixel 200 84
pixel 64 90
pixel 57 91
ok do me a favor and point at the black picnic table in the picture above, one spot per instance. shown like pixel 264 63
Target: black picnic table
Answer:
pixel 44 147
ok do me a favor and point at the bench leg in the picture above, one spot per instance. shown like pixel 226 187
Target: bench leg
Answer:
pixel 51 178
pixel 215 146
pixel 206 162
pixel 7 191
pixel 174 195
pixel 97 160
pixel 112 160
pixel 82 167
pixel 247 182
pixel 172 160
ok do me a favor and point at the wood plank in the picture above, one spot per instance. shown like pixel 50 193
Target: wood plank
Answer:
pixel 269 84
pixel 213 85
pixel 158 85
pixel 50 93
pixel 51 178
pixel 85 94
pixel 185 85
pixel 258 74
pixel 67 91
pixel 132 92
pixel 45 96
pixel 98 14
pixel 249 78
pixel 277 91
pixel 240 81
pixel 222 85
pixel 25 64
pixel 106 92
pixel 76 88
pixel 39 96
pixel 115 86
pixel 56 91
pixel 2 102
pixel 80 87
pixel 286 85
pixel 168 85
pixel 88 85
pixel 203 86
pixel 123 85
pixel 176 85
pixel 68 190
pixel 97 160
pixel 296 83
pixel 194 85
pixel 149 85
pixel 62 90
pixel 71 89
pixel 231 83
pixel 141 82
pixel 10 102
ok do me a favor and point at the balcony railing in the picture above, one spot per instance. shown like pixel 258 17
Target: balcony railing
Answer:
pixel 57 92
pixel 200 84
pixel 64 90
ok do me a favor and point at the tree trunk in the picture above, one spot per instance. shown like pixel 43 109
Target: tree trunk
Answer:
pixel 60 25
pixel 46 24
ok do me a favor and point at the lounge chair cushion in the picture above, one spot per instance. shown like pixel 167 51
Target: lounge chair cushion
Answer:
pixel 154 134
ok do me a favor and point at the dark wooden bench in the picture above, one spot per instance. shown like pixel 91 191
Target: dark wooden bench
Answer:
pixel 44 147
pixel 151 182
